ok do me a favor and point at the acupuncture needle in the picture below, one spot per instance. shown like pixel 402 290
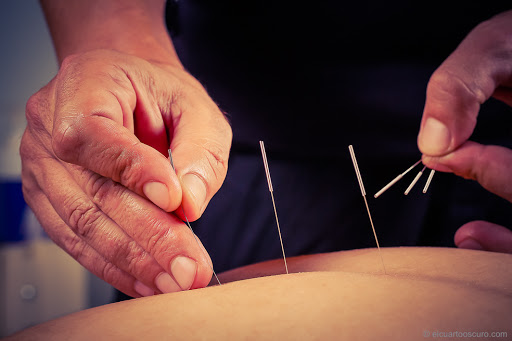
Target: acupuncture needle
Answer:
pixel 190 226
pixel 395 180
pixel 429 180
pixel 363 192
pixel 430 176
pixel 271 189
pixel 420 173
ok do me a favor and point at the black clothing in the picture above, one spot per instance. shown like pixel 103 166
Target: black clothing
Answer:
pixel 309 81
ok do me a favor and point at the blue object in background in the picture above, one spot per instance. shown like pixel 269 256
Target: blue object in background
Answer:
pixel 12 208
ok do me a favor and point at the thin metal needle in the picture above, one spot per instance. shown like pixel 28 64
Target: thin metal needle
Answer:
pixel 363 192
pixel 415 180
pixel 269 181
pixel 430 176
pixel 395 180
pixel 190 226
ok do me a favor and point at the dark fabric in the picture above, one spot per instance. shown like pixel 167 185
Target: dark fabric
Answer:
pixel 314 78
pixel 309 80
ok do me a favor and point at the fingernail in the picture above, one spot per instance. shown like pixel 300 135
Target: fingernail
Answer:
pixel 196 187
pixel 435 137
pixel 470 243
pixel 158 193
pixel 184 271
pixel 166 284
pixel 142 289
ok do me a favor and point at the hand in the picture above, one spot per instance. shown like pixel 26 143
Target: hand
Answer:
pixel 94 152
pixel 479 68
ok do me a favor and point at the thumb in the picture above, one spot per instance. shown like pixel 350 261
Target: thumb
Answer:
pixel 488 165
pixel 200 151
pixel 466 79
pixel 482 235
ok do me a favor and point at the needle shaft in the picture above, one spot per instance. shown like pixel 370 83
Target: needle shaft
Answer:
pixel 271 189
pixel 420 173
pixel 430 176
pixel 363 192
pixel 395 180
pixel 190 226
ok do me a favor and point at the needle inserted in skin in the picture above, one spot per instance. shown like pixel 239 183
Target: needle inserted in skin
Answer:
pixel 430 176
pixel 395 180
pixel 363 192
pixel 269 181
pixel 420 173
pixel 190 226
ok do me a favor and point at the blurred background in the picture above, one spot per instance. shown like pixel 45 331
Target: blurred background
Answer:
pixel 38 281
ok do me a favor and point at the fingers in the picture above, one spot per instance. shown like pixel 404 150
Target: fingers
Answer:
pixel 101 145
pixel 466 79
pixel 200 149
pixel 482 235
pixel 116 234
pixel 489 165
pixel 99 107
pixel 96 102
pixel 478 69
pixel 161 235
pixel 93 204
pixel 77 248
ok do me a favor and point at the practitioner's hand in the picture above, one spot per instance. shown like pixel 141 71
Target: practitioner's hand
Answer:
pixel 94 160
pixel 479 68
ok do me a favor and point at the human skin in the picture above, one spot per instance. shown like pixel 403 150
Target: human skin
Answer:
pixel 480 68
pixel 94 153
pixel 98 133
pixel 343 295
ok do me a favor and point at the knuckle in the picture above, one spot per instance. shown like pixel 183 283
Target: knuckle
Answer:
pixel 134 257
pixel 32 107
pixel 29 191
pixel 101 189
pixel 129 256
pixel 130 167
pixel 32 148
pixel 124 165
pixel 66 138
pixel 26 147
pixel 75 247
pixel 482 174
pixel 448 84
pixel 122 253
pixel 37 112
pixel 217 158
pixel 28 188
pixel 442 80
pixel 31 162
pixel 162 240
pixel 69 61
pixel 108 271
pixel 83 217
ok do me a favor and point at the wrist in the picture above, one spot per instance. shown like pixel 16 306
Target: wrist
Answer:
pixel 128 26
pixel 143 46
